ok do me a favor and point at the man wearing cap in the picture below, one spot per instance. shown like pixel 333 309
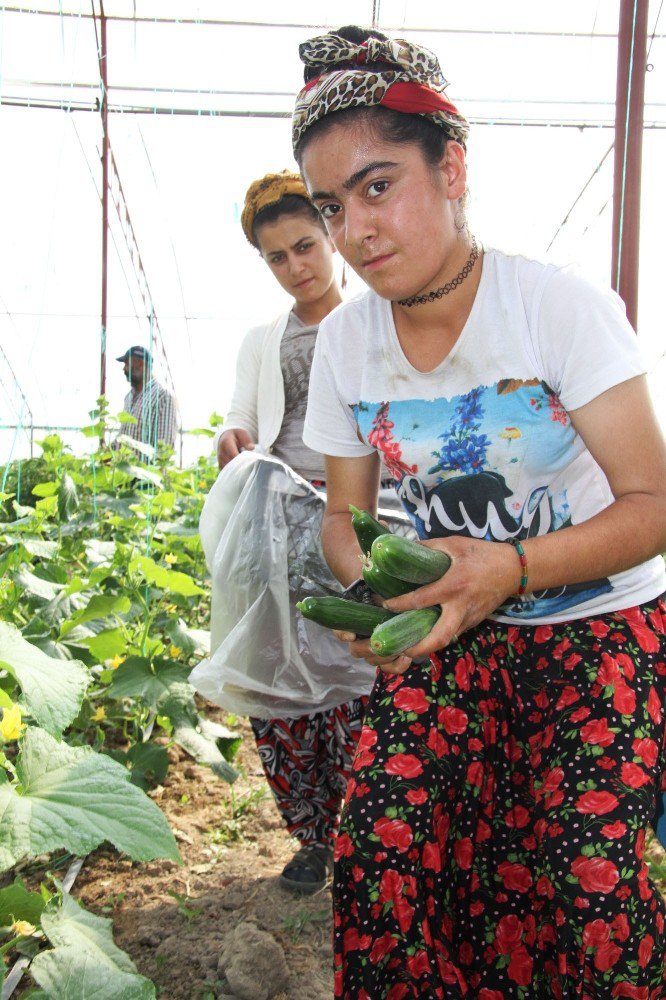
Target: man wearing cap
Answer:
pixel 153 406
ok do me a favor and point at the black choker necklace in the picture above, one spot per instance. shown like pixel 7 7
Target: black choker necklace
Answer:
pixel 438 293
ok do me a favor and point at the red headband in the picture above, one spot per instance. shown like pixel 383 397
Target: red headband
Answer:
pixel 416 99
pixel 410 98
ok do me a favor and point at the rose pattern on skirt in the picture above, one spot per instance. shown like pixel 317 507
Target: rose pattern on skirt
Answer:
pixel 492 841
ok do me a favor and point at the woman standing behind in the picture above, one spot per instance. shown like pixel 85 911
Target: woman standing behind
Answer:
pixel 492 843
pixel 306 759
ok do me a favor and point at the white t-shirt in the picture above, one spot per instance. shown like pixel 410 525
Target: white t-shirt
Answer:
pixel 483 445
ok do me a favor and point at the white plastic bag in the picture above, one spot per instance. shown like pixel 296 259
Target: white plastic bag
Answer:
pixel 260 530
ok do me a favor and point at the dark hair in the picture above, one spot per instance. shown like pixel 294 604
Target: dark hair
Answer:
pixel 290 204
pixel 388 125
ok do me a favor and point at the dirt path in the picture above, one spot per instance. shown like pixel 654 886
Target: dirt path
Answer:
pixel 174 921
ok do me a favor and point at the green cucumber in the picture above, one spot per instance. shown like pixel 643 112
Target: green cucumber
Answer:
pixel 403 631
pixel 409 560
pixel 344 615
pixel 367 528
pixel 383 584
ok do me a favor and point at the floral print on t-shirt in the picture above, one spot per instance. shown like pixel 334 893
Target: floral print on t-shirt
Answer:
pixel 497 469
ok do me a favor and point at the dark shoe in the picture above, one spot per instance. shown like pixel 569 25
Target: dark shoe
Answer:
pixel 308 870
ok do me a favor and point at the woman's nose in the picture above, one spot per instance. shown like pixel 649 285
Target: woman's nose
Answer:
pixel 359 224
pixel 296 264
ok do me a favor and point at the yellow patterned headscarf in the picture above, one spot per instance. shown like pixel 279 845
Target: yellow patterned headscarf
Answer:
pixel 269 190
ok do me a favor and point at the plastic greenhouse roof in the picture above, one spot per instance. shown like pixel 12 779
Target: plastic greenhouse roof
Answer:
pixel 200 103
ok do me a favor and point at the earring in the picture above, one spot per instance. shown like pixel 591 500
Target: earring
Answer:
pixel 343 281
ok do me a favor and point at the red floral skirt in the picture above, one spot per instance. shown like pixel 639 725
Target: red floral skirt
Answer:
pixel 492 840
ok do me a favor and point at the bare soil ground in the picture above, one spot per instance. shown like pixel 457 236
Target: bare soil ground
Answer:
pixel 183 924
pixel 174 920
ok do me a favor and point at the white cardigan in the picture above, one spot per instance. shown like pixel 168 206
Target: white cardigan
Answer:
pixel 257 404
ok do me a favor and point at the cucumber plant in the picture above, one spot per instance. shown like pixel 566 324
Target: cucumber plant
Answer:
pixel 103 603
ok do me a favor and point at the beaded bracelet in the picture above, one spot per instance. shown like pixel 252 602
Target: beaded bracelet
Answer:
pixel 520 551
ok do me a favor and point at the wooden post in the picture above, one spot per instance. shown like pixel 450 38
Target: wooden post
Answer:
pixel 105 196
pixel 629 103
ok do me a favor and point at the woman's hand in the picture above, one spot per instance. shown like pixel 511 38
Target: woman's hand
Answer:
pixel 231 443
pixel 482 576
pixel 360 648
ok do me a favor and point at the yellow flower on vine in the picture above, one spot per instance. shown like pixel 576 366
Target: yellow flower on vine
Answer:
pixel 170 558
pixel 23 928
pixel 98 715
pixel 175 651
pixel 116 661
pixel 10 724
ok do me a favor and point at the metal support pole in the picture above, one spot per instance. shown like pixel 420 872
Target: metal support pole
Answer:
pixel 105 196
pixel 629 105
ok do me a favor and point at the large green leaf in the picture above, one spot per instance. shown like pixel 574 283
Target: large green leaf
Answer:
pixel 68 498
pixel 196 735
pixel 56 650
pixel 165 579
pixel 141 447
pixel 47 505
pixel 139 472
pixel 99 606
pixel 74 799
pixel 147 763
pixel 16 903
pixel 98 552
pixel 85 962
pixel 119 505
pixel 53 689
pixel 126 418
pixel 45 489
pixel 53 571
pixel 36 586
pixel 38 547
pixel 137 678
pixel 63 606
pixel 189 640
pixel 107 644
pixel 203 431
pixel 162 501
pixel 176 530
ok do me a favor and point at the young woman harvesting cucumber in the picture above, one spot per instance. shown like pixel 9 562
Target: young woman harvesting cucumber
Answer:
pixel 492 841
pixel 306 758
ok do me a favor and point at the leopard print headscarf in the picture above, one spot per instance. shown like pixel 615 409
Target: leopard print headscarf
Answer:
pixel 338 79
pixel 267 191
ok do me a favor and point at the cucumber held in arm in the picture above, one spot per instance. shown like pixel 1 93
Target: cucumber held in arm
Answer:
pixel 409 560
pixel 366 527
pixel 344 615
pixel 403 631
pixel 383 584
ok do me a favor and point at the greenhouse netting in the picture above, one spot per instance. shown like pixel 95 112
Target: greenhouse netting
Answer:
pixel 199 105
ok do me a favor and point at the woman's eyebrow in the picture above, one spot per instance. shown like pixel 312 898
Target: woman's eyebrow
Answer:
pixel 355 178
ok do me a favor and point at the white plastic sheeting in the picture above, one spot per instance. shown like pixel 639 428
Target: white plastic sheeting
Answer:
pixel 537 80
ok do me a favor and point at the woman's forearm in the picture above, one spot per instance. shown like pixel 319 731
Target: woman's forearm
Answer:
pixel 630 531
pixel 341 549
